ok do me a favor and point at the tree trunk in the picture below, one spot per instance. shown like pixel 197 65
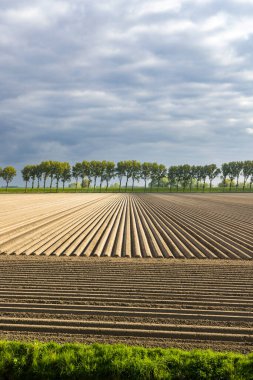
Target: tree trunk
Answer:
pixel 107 184
pixel 145 184
pixel 230 186
pixel 133 186
pixel 126 185
pixel 51 182
pixel 25 186
pixel 44 185
pixel 120 184
pixel 33 183
pixel 210 186
pixel 63 185
pixel 57 185
pixel 7 185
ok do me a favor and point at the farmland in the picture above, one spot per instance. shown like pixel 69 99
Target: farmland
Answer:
pixel 184 304
pixel 129 225
pixel 69 270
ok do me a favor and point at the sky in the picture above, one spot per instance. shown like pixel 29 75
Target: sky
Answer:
pixel 151 80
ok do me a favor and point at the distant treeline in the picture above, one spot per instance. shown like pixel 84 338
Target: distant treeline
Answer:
pixel 52 173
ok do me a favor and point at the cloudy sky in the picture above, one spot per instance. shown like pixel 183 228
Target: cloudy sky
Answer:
pixel 153 80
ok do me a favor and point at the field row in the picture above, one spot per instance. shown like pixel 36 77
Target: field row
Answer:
pixel 166 303
pixel 146 225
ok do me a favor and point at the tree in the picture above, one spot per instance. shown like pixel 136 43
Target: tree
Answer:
pixel 8 174
pixel 185 175
pixel 45 169
pixel 146 168
pixel 161 172
pixel 172 175
pixel 95 170
pixel 38 173
pixel 237 167
pixel 33 173
pixel 153 174
pixel 225 171
pixel 128 172
pixel 192 174
pixel 52 172
pixel 203 176
pixel 26 174
pixel 65 173
pixel 77 172
pixel 212 172
pixel 109 172
pixel 57 173
pixel 234 170
pixel 121 171
pixel 247 171
pixel 198 174
pixel 102 168
pixel 135 172
pixel 86 172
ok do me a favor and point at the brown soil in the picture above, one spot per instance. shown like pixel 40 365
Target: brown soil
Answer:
pixel 167 303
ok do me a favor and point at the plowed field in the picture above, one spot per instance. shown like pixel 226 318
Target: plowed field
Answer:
pixel 166 226
pixel 180 303
pixel 150 302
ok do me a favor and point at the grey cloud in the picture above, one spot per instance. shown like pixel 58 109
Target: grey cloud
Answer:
pixel 126 79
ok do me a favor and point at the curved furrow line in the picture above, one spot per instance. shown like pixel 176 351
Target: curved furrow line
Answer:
pixel 32 227
pixel 238 240
pixel 180 313
pixel 227 217
pixel 242 237
pixel 188 246
pixel 208 239
pixel 35 242
pixel 37 218
pixel 62 243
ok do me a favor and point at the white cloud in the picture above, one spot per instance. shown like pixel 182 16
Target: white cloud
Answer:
pixel 41 14
pixel 249 131
pixel 157 6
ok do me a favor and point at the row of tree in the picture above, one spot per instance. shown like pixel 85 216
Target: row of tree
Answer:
pixel 180 176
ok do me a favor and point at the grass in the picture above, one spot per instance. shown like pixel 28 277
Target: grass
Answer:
pixel 49 361
pixel 20 190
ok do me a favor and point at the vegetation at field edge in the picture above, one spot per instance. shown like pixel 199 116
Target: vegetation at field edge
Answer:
pixel 154 175
pixel 111 189
pixel 78 361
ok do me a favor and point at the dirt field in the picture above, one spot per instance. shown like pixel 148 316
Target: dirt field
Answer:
pixel 179 303
pixel 169 226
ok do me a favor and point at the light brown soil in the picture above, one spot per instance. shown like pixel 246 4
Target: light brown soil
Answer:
pixel 178 303
pixel 129 225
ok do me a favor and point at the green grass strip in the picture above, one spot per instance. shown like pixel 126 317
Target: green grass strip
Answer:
pixel 78 361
